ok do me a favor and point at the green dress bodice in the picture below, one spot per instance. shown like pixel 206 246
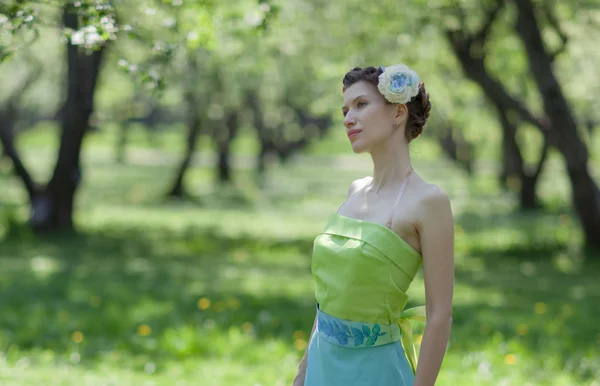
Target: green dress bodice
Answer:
pixel 362 270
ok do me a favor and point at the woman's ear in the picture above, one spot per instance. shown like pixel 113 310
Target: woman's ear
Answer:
pixel 401 112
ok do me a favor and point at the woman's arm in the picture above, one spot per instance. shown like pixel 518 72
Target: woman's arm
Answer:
pixel 301 374
pixel 437 244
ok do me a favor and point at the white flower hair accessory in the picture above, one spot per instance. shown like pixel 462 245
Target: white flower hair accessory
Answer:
pixel 398 83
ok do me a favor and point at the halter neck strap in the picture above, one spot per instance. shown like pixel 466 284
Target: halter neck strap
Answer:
pixel 400 194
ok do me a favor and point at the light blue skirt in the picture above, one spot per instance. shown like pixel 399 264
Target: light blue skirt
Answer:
pixel 347 353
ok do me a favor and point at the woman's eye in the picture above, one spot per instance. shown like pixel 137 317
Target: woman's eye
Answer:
pixel 361 104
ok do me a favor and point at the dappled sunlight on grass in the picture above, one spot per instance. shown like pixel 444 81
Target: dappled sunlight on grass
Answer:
pixel 152 296
pixel 170 298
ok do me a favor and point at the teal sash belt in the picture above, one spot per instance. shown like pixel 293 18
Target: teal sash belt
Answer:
pixel 351 334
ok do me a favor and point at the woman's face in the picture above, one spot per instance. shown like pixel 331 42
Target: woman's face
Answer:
pixel 368 119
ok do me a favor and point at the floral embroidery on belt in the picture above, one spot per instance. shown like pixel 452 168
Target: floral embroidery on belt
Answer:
pixel 344 333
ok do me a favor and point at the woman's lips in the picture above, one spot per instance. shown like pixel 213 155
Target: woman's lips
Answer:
pixel 353 133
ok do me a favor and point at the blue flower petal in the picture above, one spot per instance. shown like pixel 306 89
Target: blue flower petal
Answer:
pixel 398 82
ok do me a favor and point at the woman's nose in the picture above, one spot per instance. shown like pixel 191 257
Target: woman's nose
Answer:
pixel 349 121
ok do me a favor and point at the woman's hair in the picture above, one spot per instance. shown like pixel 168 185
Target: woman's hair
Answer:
pixel 418 107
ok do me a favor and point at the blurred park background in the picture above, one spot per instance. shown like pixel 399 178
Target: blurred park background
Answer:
pixel 166 166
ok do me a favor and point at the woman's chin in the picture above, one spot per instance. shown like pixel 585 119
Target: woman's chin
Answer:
pixel 357 148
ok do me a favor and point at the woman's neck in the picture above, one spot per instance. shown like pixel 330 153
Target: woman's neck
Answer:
pixel 390 168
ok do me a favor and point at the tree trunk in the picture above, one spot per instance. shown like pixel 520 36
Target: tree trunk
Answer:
pixel 514 164
pixel 224 169
pixel 194 123
pixel 512 160
pixel 53 207
pixel 528 196
pixel 563 134
pixel 224 139
pixel 266 145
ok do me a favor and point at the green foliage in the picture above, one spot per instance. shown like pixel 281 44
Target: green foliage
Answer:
pixel 96 19
pixel 299 51
pixel 16 18
pixel 97 24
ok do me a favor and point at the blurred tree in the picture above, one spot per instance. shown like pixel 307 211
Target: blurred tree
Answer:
pixel 52 204
pixel 470 49
pixel 563 133
pixel 230 88
pixel 210 107
pixel 88 26
pixel 558 127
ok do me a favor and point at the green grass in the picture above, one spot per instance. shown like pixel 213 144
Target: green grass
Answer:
pixel 218 291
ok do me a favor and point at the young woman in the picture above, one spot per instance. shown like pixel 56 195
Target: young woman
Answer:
pixel 373 246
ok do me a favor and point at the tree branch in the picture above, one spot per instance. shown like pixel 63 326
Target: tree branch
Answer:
pixel 474 69
pixel 19 168
pixel 465 44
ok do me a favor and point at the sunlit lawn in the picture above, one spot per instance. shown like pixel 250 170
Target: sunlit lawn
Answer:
pixel 218 291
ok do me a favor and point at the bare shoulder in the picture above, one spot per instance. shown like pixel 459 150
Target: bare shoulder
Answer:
pixel 358 185
pixel 435 198
pixel 433 202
